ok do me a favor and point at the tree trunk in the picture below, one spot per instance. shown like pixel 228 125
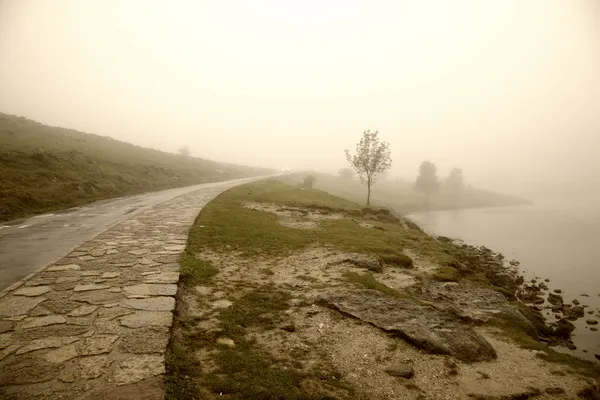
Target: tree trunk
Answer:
pixel 369 192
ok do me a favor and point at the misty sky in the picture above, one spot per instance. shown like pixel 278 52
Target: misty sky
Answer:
pixel 507 89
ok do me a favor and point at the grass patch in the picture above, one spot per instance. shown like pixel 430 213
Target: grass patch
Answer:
pixel 368 281
pixel 446 273
pixel 194 271
pixel 228 225
pixel 397 259
pixel 259 308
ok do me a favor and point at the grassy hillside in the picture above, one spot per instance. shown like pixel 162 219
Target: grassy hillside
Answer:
pixel 44 168
pixel 402 197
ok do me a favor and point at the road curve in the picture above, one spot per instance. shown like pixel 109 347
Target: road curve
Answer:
pixel 27 245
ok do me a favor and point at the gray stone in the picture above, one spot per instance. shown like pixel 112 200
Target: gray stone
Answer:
pixel 86 258
pixel 94 366
pixel 157 289
pixel 109 275
pixel 6 326
pixel 160 303
pixel 12 306
pixel 90 273
pixel 36 322
pixel 139 252
pixel 401 370
pixel 98 344
pixel 40 282
pixel 61 354
pixel 591 322
pixel 97 297
pixel 150 273
pixel 163 277
pixel 85 288
pixel 45 343
pixel 175 247
pixel 98 253
pixel 69 267
pixel 147 318
pixel 422 326
pixel 5 340
pixel 82 310
pixel 115 290
pixel 108 314
pixel 139 367
pixel 67 279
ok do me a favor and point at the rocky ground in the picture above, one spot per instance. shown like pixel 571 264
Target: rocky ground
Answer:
pixel 321 322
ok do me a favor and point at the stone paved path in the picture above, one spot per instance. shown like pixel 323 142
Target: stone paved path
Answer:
pixel 95 325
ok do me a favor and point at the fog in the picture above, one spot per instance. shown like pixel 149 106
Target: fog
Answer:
pixel 508 90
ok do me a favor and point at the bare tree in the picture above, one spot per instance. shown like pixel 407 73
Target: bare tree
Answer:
pixel 371 159
pixel 184 151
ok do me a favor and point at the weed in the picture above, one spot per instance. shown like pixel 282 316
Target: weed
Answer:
pixel 194 271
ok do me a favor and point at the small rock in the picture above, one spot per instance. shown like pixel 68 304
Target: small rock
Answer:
pixel 67 279
pixel 591 312
pixel 82 310
pixel 557 291
pixel 597 356
pixel 147 318
pixel 401 370
pixel 226 342
pixel 32 291
pixel 36 322
pixel 109 275
pixel 543 286
pixel 555 299
pixel 222 303
pixel 584 295
pixel 564 328
pixel 576 302
pixel 69 267
pixel 593 329
pixel 289 328
pixel 591 322
pixel 555 390
pixel 85 288
pixel 571 346
pixel 546 280
pixel 61 354
pixel 159 303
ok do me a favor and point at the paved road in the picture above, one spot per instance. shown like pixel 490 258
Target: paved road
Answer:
pixel 29 244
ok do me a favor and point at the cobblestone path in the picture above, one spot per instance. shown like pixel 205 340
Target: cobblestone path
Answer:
pixel 95 325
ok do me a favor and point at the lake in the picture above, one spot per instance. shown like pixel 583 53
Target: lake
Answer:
pixel 551 239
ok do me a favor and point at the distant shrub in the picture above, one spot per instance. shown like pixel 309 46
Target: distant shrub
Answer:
pixel 308 182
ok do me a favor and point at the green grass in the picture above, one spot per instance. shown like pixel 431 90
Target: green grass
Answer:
pixel 228 225
pixel 45 168
pixel 259 308
pixel 194 271
pixel 446 273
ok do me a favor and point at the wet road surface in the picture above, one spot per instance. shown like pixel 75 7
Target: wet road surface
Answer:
pixel 29 244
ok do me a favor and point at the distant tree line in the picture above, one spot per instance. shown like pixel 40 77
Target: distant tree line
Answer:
pixel 372 160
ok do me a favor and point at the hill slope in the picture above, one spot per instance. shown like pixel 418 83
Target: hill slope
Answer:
pixel 45 168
